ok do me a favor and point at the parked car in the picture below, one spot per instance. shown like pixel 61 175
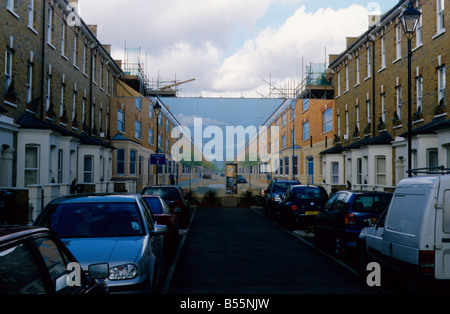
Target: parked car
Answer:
pixel 175 198
pixel 272 195
pixel 164 215
pixel 300 205
pixel 241 179
pixel 341 220
pixel 206 176
pixel 412 237
pixel 116 229
pixel 33 260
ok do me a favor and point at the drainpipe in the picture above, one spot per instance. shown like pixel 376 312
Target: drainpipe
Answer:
pixel 43 80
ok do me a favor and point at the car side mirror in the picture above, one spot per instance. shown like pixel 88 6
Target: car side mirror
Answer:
pixel 99 271
pixel 159 229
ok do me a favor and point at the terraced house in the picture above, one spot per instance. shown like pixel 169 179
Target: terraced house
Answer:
pixel 54 115
pixel 371 94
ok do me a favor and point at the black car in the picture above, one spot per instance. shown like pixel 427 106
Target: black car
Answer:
pixel 33 260
pixel 300 205
pixel 272 195
pixel 241 179
pixel 175 198
pixel 340 222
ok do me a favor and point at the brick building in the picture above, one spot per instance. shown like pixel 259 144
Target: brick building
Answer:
pixel 58 82
pixel 371 94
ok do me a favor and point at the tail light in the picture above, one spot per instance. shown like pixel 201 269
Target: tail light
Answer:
pixel 426 261
pixel 350 219
pixel 293 207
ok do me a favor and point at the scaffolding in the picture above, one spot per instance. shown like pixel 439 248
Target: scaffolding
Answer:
pixel 317 84
pixel 134 75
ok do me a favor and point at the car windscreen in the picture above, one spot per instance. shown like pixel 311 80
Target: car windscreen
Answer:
pixel 166 193
pixel 308 193
pixel 155 205
pixel 371 203
pixel 281 187
pixel 87 220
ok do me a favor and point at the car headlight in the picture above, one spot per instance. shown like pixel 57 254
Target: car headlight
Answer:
pixel 122 272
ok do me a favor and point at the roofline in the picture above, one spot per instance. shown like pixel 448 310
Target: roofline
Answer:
pixel 386 17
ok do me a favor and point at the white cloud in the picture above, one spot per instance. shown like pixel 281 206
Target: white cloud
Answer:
pixel 193 39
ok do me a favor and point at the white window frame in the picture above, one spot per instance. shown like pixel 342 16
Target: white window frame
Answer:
pixel 138 129
pixel 32 169
pixel 440 16
pixel 398 42
pixel 419 92
pixel 49 25
pixel 398 100
pixel 327 122
pixel 383 52
pixel 378 173
pixel 8 68
pixel 441 84
pixel 357 71
pixel 120 120
pixel 29 82
pixel 305 128
pixel 88 172
pixel 334 172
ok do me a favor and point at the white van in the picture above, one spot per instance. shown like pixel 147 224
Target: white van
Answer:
pixel 413 235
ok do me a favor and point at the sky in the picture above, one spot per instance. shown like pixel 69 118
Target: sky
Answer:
pixel 232 48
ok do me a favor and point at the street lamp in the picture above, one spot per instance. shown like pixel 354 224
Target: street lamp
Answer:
pixel 409 19
pixel 157 110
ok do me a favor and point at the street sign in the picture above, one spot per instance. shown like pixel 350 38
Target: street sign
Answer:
pixel 158 159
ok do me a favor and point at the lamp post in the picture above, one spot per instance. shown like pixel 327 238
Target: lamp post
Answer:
pixel 157 110
pixel 409 19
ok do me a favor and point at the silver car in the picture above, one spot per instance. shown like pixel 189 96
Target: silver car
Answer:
pixel 116 229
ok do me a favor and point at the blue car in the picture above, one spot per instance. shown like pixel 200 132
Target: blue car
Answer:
pixel 119 230
pixel 340 222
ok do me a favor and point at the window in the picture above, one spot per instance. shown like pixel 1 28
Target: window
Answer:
pixel 369 63
pixel 137 129
pixel 10 5
pixel 281 166
pixel 295 165
pixel 60 165
pixel 383 107
pixel 357 70
pixel 150 136
pixel 84 58
pixel 335 173
pixel 283 141
pixel 120 161
pixel 441 85
pixel 31 165
pixel 328 120
pixel 339 83
pixel 56 265
pixel 419 92
pixel 383 53
pixel 419 29
pixel 398 42
pixel 132 162
pixel 346 77
pixel 305 131
pixel 8 69
pixel 357 117
pixel 347 123
pixel 380 170
pixel 432 157
pixel 398 90
pixel 94 59
pixel 440 16
pixel 305 104
pixel 63 36
pixel 74 103
pixel 359 171
pixel 61 103
pixel 283 119
pixel 29 82
pixel 49 25
pixel 47 94
pixel 88 169
pixel 31 13
pixel 83 107
pixel 138 102
pixel 75 45
pixel 286 165
pixel 20 271
pixel 120 121
pixel 368 111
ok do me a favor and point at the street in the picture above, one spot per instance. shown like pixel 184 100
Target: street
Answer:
pixel 238 251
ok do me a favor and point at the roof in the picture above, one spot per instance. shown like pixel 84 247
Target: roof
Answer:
pixel 430 127
pixel 95 198
pixel 383 139
pixel 10 232
pixel 28 121
pixel 333 150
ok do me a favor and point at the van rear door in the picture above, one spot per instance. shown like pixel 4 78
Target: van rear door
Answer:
pixel 442 246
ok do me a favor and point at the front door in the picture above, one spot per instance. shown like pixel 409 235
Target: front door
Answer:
pixel 310 170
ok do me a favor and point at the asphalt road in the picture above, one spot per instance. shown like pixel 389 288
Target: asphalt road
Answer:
pixel 239 251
